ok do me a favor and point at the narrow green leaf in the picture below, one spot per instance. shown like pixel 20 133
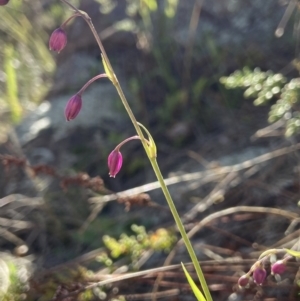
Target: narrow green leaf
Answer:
pixel 107 70
pixel 293 253
pixel 151 146
pixel 194 287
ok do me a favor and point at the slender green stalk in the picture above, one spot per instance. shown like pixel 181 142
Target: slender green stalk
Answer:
pixel 181 229
pixel 152 160
pixel 169 200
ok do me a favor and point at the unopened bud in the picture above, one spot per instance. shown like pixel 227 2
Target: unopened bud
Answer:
pixel 259 275
pixel 58 40
pixel 73 107
pixel 115 161
pixel 3 2
pixel 243 281
pixel 278 267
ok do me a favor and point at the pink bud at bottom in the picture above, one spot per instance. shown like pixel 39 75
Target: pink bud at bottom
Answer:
pixel 58 40
pixel 278 267
pixel 259 275
pixel 243 281
pixel 73 107
pixel 115 161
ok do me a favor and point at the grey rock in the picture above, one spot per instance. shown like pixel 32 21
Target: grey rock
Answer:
pixel 231 20
pixel 99 106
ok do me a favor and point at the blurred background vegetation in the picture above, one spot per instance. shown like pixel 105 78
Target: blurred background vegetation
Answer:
pixel 27 64
pixel 169 92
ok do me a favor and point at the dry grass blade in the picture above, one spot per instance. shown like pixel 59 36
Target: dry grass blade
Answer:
pixel 219 214
pixel 17 224
pixel 262 210
pixel 116 278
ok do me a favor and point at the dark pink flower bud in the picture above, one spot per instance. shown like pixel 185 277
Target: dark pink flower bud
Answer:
pixel 259 275
pixel 278 267
pixel 73 107
pixel 243 281
pixel 3 2
pixel 115 161
pixel 58 40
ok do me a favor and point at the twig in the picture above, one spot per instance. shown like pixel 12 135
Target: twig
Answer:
pixel 229 264
pixel 15 223
pixel 116 278
pixel 11 237
pixel 147 296
pixel 281 26
pixel 233 210
pixel 217 193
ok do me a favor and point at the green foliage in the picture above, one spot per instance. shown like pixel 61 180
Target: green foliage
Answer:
pixel 91 234
pixel 193 286
pixel 262 86
pixel 265 87
pixel 135 245
pixel 13 282
pixel 179 92
pixel 64 279
pixel 26 60
pixel 11 83
pixel 171 8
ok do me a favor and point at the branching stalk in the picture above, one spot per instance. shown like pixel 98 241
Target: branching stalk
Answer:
pixel 153 161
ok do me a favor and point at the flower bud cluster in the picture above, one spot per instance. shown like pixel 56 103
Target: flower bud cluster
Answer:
pixel 57 42
pixel 259 271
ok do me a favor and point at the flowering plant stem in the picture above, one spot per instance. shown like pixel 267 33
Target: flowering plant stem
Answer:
pixel 181 229
pixel 152 159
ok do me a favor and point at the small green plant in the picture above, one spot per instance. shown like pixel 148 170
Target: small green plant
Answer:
pixel 135 245
pixel 59 284
pixel 266 87
pixel 24 57
pixel 14 281
pixel 268 265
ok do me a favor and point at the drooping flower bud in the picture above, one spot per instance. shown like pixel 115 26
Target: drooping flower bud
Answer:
pixel 73 107
pixel 58 40
pixel 278 267
pixel 115 161
pixel 259 275
pixel 243 281
pixel 3 2
pixel 115 158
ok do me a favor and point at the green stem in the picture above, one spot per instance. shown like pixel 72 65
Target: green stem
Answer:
pixel 181 229
pixel 168 198
pixel 152 160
